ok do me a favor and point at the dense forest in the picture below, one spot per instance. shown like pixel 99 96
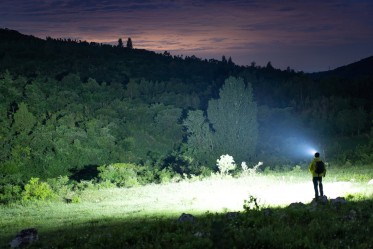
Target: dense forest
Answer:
pixel 70 106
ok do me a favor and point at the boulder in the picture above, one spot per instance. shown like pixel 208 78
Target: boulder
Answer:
pixel 297 205
pixel 338 201
pixel 24 238
pixel 322 200
pixel 186 218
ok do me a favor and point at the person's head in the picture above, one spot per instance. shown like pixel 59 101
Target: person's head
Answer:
pixel 317 154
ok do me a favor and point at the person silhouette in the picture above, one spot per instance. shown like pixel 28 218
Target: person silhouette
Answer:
pixel 318 171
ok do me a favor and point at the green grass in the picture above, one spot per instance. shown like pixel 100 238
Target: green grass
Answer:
pixel 145 216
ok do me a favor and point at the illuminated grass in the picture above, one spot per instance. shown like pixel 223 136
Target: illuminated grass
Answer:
pixel 100 207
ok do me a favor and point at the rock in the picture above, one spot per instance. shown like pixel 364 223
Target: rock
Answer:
pixel 186 218
pixel 296 205
pixel 338 201
pixel 321 199
pixel 24 238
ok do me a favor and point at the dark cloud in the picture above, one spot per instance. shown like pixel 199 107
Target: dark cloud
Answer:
pixel 281 31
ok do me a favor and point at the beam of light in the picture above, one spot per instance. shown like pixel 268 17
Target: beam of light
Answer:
pixel 223 194
pixel 311 151
pixel 299 147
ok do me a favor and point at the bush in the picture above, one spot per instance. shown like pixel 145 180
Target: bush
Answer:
pixel 83 185
pixel 75 199
pixel 10 188
pixel 145 175
pixel 121 174
pixel 179 164
pixel 225 164
pixel 246 171
pixel 205 172
pixel 10 193
pixel 364 154
pixel 251 204
pixel 105 184
pixel 165 175
pixel 35 190
pixel 60 185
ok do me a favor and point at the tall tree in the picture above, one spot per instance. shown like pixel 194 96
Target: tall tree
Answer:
pixel 120 43
pixel 199 143
pixel 23 119
pixel 129 43
pixel 234 118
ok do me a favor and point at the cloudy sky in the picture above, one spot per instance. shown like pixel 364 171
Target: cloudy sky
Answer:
pixel 304 35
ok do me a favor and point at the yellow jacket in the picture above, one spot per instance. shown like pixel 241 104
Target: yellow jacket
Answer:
pixel 312 167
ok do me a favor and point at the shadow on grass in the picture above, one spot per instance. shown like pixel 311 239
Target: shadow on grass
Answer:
pixel 347 225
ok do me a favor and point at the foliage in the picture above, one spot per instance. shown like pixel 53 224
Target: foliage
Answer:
pixel 234 119
pixel 10 188
pixel 180 164
pixel 59 185
pixel 85 185
pixel 225 163
pixel 199 137
pixel 165 175
pixel 122 174
pixel 67 190
pixel 364 154
pixel 9 193
pixel 35 190
pixel 74 131
pixel 246 171
pixel 251 204
pixel 66 105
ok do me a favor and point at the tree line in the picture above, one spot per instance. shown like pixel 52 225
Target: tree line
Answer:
pixel 66 105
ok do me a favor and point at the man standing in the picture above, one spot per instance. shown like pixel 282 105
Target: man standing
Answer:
pixel 318 171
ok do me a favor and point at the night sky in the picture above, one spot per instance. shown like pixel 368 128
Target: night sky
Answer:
pixel 304 35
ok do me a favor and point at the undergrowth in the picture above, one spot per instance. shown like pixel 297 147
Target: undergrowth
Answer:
pixel 100 215
pixel 347 225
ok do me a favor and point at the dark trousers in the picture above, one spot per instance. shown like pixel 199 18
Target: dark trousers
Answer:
pixel 317 184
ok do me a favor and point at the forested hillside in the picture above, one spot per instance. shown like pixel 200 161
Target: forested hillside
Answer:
pixel 70 105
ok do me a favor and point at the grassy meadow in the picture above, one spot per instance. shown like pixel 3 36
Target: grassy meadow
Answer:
pixel 146 216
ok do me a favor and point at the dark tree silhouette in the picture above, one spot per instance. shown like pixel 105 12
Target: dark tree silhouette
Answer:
pixel 129 43
pixel 120 43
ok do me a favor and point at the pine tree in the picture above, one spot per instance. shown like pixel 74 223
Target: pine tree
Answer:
pixel 120 43
pixel 129 43
pixel 199 144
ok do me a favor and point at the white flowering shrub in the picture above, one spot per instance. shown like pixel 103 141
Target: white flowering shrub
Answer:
pixel 225 164
pixel 244 167
pixel 250 171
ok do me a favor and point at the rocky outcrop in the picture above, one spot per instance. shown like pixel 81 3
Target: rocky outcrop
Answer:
pixel 323 200
pixel 24 238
